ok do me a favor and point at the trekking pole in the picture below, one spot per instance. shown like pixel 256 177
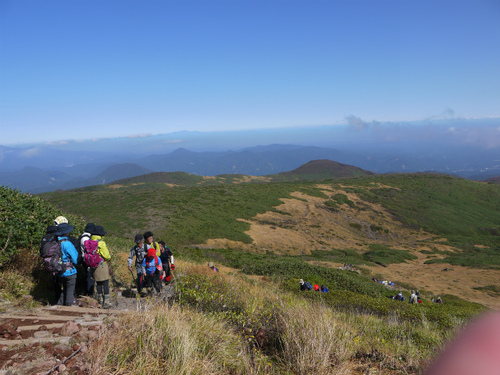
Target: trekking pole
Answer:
pixel 113 281
pixel 133 278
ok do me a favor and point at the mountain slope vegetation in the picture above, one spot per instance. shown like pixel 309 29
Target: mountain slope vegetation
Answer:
pixel 266 236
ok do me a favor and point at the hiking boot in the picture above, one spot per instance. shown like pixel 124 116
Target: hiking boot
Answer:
pixel 98 298
pixel 106 304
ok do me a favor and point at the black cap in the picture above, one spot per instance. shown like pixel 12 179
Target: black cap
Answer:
pixel 51 229
pixel 99 231
pixel 64 228
pixel 90 228
pixel 138 238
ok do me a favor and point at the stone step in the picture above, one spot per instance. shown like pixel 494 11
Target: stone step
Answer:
pixel 34 340
pixel 57 325
pixel 79 310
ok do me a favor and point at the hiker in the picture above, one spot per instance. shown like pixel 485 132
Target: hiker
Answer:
pixel 148 240
pixel 305 285
pixel 212 267
pixel 153 269
pixel 139 251
pixel 100 273
pixel 413 297
pixel 50 235
pixel 67 279
pixel 324 289
pixel 63 220
pixel 167 261
pixel 439 300
pixel 316 287
pixel 89 281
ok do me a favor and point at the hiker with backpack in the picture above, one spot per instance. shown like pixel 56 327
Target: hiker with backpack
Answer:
pixel 305 285
pixel 45 245
pixel 139 251
pixel 167 260
pixel 413 298
pixel 69 257
pixel 97 257
pixel 212 267
pixel 153 270
pixel 149 241
pixel 85 236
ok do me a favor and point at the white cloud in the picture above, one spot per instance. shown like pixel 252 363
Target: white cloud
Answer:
pixel 173 141
pixel 57 143
pixel 30 152
pixel 140 135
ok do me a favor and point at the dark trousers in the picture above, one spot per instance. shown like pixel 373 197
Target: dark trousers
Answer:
pixel 68 290
pixel 153 280
pixel 89 282
pixel 102 287
pixel 166 269
pixel 140 282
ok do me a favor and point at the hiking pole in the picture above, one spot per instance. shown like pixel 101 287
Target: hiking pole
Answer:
pixel 134 283
pixel 113 281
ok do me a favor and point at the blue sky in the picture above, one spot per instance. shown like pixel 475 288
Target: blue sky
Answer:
pixel 103 68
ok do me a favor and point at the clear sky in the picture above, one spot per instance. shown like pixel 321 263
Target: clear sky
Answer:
pixel 80 69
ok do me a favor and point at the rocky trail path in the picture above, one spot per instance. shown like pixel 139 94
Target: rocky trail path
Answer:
pixel 54 339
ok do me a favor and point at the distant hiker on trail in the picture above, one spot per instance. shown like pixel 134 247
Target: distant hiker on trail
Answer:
pixel 400 297
pixel 413 297
pixel 212 267
pixel 153 268
pixel 67 279
pixel 439 300
pixel 89 281
pixel 148 240
pixel 139 252
pixel 167 260
pixel 99 264
pixel 305 285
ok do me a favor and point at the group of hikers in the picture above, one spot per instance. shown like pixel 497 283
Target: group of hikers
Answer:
pixel 414 298
pixel 64 256
pixel 306 285
pixel 153 262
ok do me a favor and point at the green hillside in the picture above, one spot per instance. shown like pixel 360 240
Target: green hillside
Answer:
pixel 257 289
pixel 466 212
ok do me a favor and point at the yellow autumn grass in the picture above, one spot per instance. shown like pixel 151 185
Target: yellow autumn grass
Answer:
pixel 301 336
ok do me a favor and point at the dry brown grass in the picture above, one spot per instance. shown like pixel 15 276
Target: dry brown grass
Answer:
pixel 309 226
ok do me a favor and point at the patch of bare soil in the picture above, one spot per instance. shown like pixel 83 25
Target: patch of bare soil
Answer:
pixel 304 223
pixel 439 279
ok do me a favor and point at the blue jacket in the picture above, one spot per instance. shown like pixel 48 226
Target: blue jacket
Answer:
pixel 69 254
pixel 151 265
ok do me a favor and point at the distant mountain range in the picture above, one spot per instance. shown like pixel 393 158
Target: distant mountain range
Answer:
pixel 465 148
pixel 84 170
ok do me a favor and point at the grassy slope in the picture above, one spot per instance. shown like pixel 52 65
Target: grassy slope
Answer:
pixel 466 212
pixel 404 336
